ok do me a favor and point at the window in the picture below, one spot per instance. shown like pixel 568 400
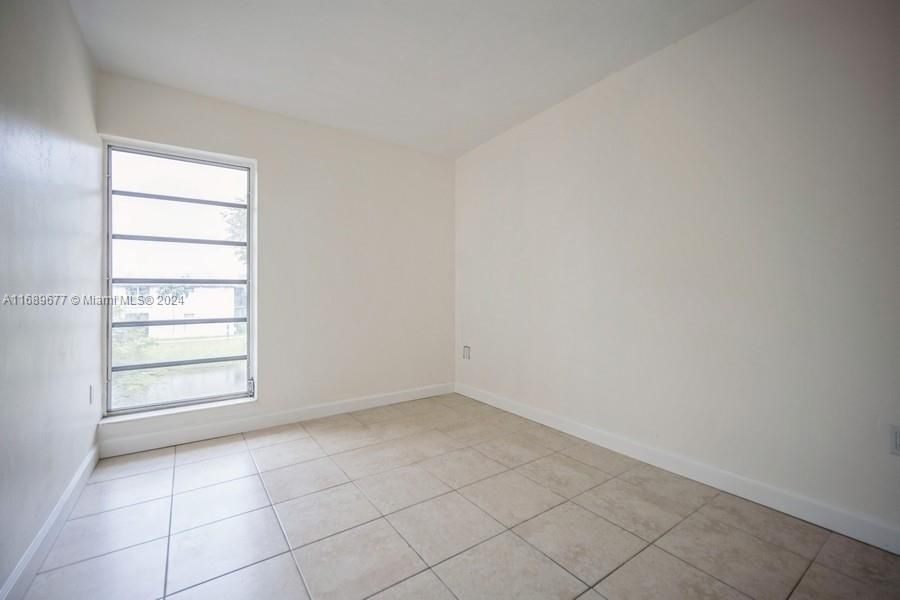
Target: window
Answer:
pixel 179 279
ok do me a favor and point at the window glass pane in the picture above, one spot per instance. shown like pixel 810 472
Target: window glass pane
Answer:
pixel 178 300
pixel 188 302
pixel 147 174
pixel 163 343
pixel 143 216
pixel 158 260
pixel 134 389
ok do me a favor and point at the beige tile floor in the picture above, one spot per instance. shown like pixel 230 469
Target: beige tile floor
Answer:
pixel 438 498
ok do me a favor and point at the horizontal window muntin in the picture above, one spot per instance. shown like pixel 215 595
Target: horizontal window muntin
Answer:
pixel 178 199
pixel 138 171
pixel 178 240
pixel 135 215
pixel 177 363
pixel 194 281
pixel 179 322
pixel 176 260
pixel 177 341
pixel 140 390
pixel 175 235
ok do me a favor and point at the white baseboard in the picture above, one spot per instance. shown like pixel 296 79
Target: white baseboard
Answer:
pixel 862 527
pixel 114 445
pixel 16 585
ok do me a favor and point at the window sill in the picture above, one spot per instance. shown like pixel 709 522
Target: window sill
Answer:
pixel 175 410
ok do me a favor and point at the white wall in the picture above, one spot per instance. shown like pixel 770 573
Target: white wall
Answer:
pixel 50 242
pixel 355 279
pixel 700 257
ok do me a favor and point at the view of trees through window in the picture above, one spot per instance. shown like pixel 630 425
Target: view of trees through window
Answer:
pixel 179 255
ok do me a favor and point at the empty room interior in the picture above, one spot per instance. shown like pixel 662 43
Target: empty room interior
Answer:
pixel 449 299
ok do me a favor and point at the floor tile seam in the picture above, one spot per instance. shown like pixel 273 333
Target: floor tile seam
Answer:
pixel 232 571
pixel 115 508
pixel 227 453
pixel 838 571
pixel 287 542
pixel 405 579
pixel 102 554
pixel 238 514
pixel 209 485
pixel 718 492
pixel 391 525
pixel 655 544
pixel 387 441
pixel 169 535
pixel 117 478
pixel 553 560
pixel 745 531
pixel 708 574
pixel 269 445
pixel 171 494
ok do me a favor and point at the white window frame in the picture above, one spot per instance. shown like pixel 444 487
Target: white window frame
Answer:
pixel 111 143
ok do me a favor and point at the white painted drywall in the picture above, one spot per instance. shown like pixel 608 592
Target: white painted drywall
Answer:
pixel 50 242
pixel 355 254
pixel 701 253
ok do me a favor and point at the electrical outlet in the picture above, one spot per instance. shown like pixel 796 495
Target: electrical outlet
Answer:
pixel 895 439
pixel 467 352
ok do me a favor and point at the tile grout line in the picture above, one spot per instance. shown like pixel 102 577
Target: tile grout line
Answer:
pixel 741 529
pixel 815 561
pixel 631 558
pixel 381 516
pixel 228 452
pixel 307 494
pixel 290 550
pixel 652 544
pixel 718 493
pixel 82 560
pixel 809 566
pixel 431 567
pixel 115 508
pixel 753 535
pixel 505 529
pixel 287 542
pixel 238 514
pixel 513 531
pixel 384 515
pixel 391 525
pixel 149 500
pixel 800 579
pixel 138 474
pixel 472 447
pixel 705 503
pixel 648 543
pixel 693 566
pixel 172 466
pixel 241 568
pixel 571 501
pixel 697 510
pixel 258 474
pixel 465 445
pixel 209 485
pixel 169 535
pixel 454 489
